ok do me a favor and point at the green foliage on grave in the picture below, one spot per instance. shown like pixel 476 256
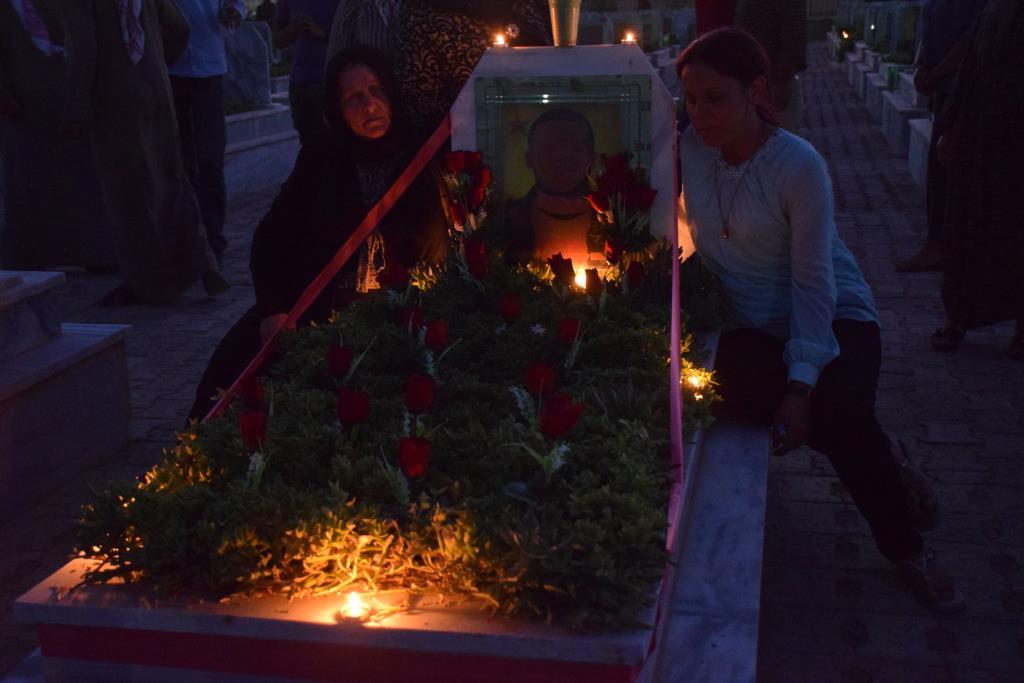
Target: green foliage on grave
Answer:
pixel 478 429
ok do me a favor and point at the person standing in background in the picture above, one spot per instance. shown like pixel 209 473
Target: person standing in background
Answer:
pixel 118 89
pixel 357 22
pixel 944 34
pixel 197 82
pixel 53 211
pixel 265 12
pixel 781 28
pixel 712 14
pixel 304 25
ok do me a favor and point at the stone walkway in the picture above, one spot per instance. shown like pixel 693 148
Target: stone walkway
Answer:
pixel 832 611
pixel 831 608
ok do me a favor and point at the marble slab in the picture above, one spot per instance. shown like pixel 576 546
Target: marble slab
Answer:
pixel 28 313
pixel 711 634
pixel 874 86
pixel 896 115
pixel 63 407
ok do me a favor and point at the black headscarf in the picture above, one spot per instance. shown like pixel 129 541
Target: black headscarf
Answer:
pixel 399 136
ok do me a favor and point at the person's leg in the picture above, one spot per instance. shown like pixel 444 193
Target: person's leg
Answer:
pixel 750 375
pixel 182 90
pixel 210 143
pixel 930 255
pixel 844 427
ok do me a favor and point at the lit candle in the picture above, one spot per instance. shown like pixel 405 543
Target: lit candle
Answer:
pixel 499 40
pixel 581 278
pixel 846 36
pixel 630 38
pixel 354 607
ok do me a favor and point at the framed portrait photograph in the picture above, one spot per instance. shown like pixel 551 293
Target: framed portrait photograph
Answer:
pixel 543 137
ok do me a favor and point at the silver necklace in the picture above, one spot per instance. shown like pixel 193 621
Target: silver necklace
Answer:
pixel 723 214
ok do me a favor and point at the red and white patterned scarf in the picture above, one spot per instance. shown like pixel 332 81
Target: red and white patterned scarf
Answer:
pixel 35 27
pixel 131 28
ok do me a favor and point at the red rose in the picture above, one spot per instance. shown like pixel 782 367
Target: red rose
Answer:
pixel 511 307
pixel 635 275
pixel 353 406
pixel 419 393
pixel 640 197
pixel 339 359
pixel 436 337
pixel 539 378
pixel 253 427
pixel 411 318
pixel 251 391
pixel 569 329
pixel 558 415
pixel 455 162
pixel 394 276
pixel 595 285
pixel 476 257
pixel 598 201
pixel 562 269
pixel 413 455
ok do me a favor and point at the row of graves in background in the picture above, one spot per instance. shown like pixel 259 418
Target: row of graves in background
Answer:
pixel 874 43
pixel 477 471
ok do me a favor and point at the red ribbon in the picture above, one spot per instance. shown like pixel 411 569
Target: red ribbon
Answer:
pixel 362 231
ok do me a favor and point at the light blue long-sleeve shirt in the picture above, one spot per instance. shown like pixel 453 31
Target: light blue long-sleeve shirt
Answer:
pixel 204 56
pixel 783 264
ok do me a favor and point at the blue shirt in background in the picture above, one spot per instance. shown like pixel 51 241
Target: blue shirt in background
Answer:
pixel 204 56
pixel 943 22
pixel 310 51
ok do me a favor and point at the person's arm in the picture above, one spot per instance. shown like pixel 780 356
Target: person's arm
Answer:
pixel 79 21
pixel 807 201
pixel 275 258
pixel 174 29
pixel 232 14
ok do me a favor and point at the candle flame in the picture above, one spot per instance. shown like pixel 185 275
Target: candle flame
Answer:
pixel 630 37
pixel 846 36
pixel 581 278
pixel 354 606
pixel 499 40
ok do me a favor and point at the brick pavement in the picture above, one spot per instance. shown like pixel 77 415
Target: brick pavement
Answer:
pixel 831 608
pixel 832 611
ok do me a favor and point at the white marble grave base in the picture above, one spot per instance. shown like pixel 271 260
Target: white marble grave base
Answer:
pixel 874 86
pixel 896 115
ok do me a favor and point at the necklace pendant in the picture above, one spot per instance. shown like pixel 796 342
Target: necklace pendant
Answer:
pixel 725 230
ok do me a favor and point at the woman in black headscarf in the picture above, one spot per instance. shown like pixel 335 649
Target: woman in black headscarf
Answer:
pixel 330 190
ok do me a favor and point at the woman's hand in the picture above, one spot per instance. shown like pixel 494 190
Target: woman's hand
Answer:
pixel 269 325
pixel 944 150
pixel 792 423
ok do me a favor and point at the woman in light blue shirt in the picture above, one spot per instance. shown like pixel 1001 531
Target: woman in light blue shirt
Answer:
pixel 802 349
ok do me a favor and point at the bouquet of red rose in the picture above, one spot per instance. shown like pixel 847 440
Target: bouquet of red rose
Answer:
pixel 468 180
pixel 622 199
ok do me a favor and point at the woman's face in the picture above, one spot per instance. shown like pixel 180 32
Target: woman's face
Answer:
pixel 720 107
pixel 364 104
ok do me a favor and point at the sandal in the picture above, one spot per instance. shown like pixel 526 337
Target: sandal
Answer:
pixel 923 504
pixel 946 339
pixel 932 587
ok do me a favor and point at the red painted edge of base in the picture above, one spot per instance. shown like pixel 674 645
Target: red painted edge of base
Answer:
pixel 307 660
